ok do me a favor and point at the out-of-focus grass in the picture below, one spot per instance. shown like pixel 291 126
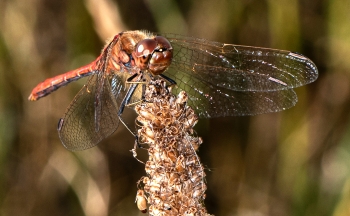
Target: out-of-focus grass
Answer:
pixel 295 162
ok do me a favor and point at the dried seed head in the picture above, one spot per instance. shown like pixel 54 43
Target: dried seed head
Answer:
pixel 175 182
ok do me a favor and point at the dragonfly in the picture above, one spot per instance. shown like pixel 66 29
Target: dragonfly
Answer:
pixel 220 80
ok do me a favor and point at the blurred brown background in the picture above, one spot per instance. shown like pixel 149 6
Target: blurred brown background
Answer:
pixel 295 162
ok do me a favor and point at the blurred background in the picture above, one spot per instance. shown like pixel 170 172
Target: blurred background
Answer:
pixel 295 162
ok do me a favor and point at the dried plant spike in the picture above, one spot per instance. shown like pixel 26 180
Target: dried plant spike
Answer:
pixel 174 184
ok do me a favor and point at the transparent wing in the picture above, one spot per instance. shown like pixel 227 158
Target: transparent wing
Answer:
pixel 78 129
pixel 241 68
pixel 225 79
pixel 213 101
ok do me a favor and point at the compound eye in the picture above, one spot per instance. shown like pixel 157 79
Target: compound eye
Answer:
pixel 163 43
pixel 161 58
pixel 145 47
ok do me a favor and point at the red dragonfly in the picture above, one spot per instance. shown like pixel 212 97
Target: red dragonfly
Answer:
pixel 220 80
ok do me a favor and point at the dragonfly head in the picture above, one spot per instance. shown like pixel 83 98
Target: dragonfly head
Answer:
pixel 154 55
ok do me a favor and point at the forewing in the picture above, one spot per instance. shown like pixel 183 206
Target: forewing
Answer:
pixel 77 129
pixel 241 68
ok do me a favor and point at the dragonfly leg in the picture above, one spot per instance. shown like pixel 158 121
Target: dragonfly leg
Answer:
pixel 130 79
pixel 143 82
pixel 124 103
pixel 171 81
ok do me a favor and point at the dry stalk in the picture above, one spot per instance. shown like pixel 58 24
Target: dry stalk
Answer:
pixel 174 184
